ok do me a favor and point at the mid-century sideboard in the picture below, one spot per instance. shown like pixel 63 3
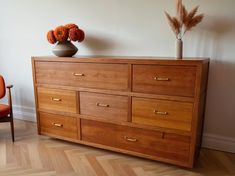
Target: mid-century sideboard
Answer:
pixel 147 107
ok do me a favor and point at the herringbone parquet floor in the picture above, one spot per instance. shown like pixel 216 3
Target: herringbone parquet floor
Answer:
pixel 33 155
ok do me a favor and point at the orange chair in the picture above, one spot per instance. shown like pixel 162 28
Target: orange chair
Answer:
pixel 6 114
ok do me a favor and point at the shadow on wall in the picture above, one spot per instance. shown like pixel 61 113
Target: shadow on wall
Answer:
pixel 219 24
pixel 220 109
pixel 98 45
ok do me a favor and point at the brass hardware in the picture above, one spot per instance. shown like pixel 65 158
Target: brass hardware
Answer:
pixel 56 99
pixel 160 112
pixel 78 74
pixel 57 125
pixel 102 105
pixel 130 139
pixel 157 78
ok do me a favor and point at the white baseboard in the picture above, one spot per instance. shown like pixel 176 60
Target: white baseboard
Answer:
pixel 211 141
pixel 24 113
pixel 218 142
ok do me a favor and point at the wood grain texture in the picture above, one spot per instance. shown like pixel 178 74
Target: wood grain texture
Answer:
pixel 124 93
pixel 58 125
pixel 199 110
pixel 189 61
pixel 110 107
pixel 178 88
pixel 35 94
pixel 34 155
pixel 167 114
pixel 104 76
pixel 137 125
pixel 164 145
pixel 58 100
pixel 165 80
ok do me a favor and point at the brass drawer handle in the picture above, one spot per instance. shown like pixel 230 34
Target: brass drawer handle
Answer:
pixel 57 125
pixel 102 105
pixel 160 112
pixel 157 78
pixel 56 99
pixel 78 74
pixel 130 139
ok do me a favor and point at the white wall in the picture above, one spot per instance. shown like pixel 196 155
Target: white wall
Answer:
pixel 125 27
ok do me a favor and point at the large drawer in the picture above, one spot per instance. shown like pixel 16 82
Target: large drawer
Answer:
pixel 58 125
pixel 109 107
pixel 162 113
pixel 91 75
pixel 57 100
pixel 163 145
pixel 165 80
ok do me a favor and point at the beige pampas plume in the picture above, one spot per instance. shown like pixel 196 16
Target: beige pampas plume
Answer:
pixel 194 21
pixel 192 13
pixel 184 20
pixel 185 14
pixel 173 22
pixel 178 7
pixel 179 11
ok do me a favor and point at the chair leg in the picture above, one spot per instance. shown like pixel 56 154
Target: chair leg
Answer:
pixel 12 130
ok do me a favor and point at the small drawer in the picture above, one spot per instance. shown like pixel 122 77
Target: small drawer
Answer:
pixel 165 80
pixel 162 113
pixel 58 125
pixel 57 100
pixel 109 107
pixel 91 75
pixel 154 143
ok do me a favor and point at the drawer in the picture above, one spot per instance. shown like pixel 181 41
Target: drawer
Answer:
pixel 165 80
pixel 91 75
pixel 163 145
pixel 58 125
pixel 162 113
pixel 57 100
pixel 109 107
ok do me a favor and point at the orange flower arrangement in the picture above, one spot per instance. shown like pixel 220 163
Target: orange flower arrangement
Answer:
pixel 67 32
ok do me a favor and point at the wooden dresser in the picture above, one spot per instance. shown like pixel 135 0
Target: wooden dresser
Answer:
pixel 147 107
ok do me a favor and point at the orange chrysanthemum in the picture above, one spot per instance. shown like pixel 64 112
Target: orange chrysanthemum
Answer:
pixel 50 37
pixel 61 33
pixel 71 26
pixel 81 35
pixel 74 34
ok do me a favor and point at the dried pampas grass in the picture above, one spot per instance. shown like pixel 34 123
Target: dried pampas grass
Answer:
pixel 184 20
pixel 173 22
pixel 193 22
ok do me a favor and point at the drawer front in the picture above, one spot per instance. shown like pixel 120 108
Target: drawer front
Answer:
pixel 162 113
pixel 164 145
pixel 58 125
pixel 91 75
pixel 165 80
pixel 57 100
pixel 110 107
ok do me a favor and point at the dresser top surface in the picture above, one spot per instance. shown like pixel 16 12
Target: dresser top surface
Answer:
pixel 124 59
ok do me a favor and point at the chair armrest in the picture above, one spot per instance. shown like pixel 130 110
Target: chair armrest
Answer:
pixel 9 86
pixel 9 96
